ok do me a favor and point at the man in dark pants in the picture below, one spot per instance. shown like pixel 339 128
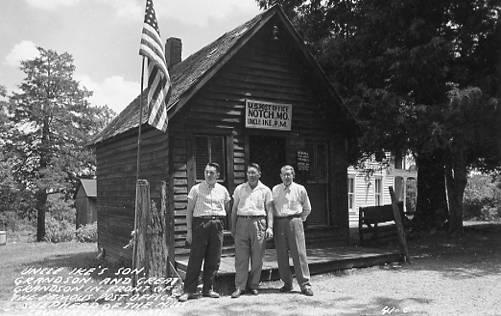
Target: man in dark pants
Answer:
pixel 208 202
pixel 291 207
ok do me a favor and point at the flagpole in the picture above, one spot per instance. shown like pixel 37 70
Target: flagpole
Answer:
pixel 151 47
pixel 138 165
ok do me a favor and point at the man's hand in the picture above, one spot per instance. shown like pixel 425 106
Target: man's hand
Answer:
pixel 188 237
pixel 268 233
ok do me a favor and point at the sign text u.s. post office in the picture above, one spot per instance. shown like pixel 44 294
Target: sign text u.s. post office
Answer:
pixel 267 115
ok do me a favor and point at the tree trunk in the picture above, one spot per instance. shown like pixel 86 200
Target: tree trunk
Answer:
pixel 456 180
pixel 41 206
pixel 41 195
pixel 431 207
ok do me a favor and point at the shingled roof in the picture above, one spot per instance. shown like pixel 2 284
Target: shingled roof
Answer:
pixel 185 75
pixel 89 186
pixel 190 75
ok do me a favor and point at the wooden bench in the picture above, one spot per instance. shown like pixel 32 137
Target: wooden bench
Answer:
pixel 370 217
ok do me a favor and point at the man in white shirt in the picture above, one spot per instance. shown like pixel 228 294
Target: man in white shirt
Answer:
pixel 252 225
pixel 207 205
pixel 291 206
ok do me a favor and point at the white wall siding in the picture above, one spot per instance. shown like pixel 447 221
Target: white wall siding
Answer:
pixel 365 190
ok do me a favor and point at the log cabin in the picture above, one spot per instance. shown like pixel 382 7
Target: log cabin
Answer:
pixel 255 94
pixel 85 202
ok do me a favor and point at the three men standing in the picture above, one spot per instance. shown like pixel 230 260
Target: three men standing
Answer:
pixel 252 225
pixel 257 215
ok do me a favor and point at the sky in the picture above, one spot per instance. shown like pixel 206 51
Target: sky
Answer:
pixel 103 37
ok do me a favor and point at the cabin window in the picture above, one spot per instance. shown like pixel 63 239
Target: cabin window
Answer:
pixel 209 148
pixel 351 193
pixel 318 170
pixel 311 163
pixel 378 193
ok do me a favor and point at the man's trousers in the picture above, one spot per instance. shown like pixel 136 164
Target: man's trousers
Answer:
pixel 250 243
pixel 289 237
pixel 206 245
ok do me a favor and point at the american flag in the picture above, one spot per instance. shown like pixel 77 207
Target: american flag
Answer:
pixel 158 78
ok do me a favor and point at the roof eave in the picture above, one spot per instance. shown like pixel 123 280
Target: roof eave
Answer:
pixel 211 72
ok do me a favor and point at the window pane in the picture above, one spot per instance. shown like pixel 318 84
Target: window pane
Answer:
pixel 201 155
pixel 217 152
pixel 317 158
pixel 351 194
pixel 209 149
pixel 378 184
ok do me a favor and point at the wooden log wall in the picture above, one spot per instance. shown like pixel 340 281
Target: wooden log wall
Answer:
pixel 116 178
pixel 263 70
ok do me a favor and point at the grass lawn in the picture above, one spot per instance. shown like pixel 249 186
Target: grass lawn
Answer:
pixel 447 276
pixel 16 256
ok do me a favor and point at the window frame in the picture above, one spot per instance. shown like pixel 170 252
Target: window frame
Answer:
pixel 378 190
pixel 351 195
pixel 222 164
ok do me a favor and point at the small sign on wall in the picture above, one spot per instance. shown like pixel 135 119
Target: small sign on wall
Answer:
pixel 267 115
pixel 303 160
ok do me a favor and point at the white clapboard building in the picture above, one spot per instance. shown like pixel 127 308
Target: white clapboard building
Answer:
pixel 369 184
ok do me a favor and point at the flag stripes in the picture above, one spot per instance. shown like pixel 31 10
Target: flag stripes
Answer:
pixel 158 76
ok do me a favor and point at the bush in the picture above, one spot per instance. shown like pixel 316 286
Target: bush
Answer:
pixel 7 220
pixel 61 209
pixel 58 230
pixel 87 233
pixel 60 220
pixel 482 198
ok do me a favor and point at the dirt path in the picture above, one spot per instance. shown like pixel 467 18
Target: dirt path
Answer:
pixel 447 277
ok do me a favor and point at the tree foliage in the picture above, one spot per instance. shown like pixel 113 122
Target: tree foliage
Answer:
pixel 52 121
pixel 483 197
pixel 419 76
pixel 10 196
pixel 4 120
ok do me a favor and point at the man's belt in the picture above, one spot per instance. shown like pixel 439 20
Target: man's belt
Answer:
pixel 209 217
pixel 289 216
pixel 252 216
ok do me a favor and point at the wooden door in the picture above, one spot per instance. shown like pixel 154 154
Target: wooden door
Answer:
pixel 312 172
pixel 269 153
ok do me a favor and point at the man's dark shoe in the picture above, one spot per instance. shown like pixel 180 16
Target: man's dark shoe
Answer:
pixel 254 291
pixel 187 296
pixel 211 293
pixel 236 294
pixel 285 289
pixel 307 291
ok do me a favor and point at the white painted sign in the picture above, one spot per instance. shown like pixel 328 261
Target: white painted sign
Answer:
pixel 267 115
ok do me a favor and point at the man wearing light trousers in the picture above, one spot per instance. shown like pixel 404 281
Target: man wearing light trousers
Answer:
pixel 252 222
pixel 292 207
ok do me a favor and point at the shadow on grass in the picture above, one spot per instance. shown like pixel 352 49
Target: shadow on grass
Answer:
pixel 474 253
